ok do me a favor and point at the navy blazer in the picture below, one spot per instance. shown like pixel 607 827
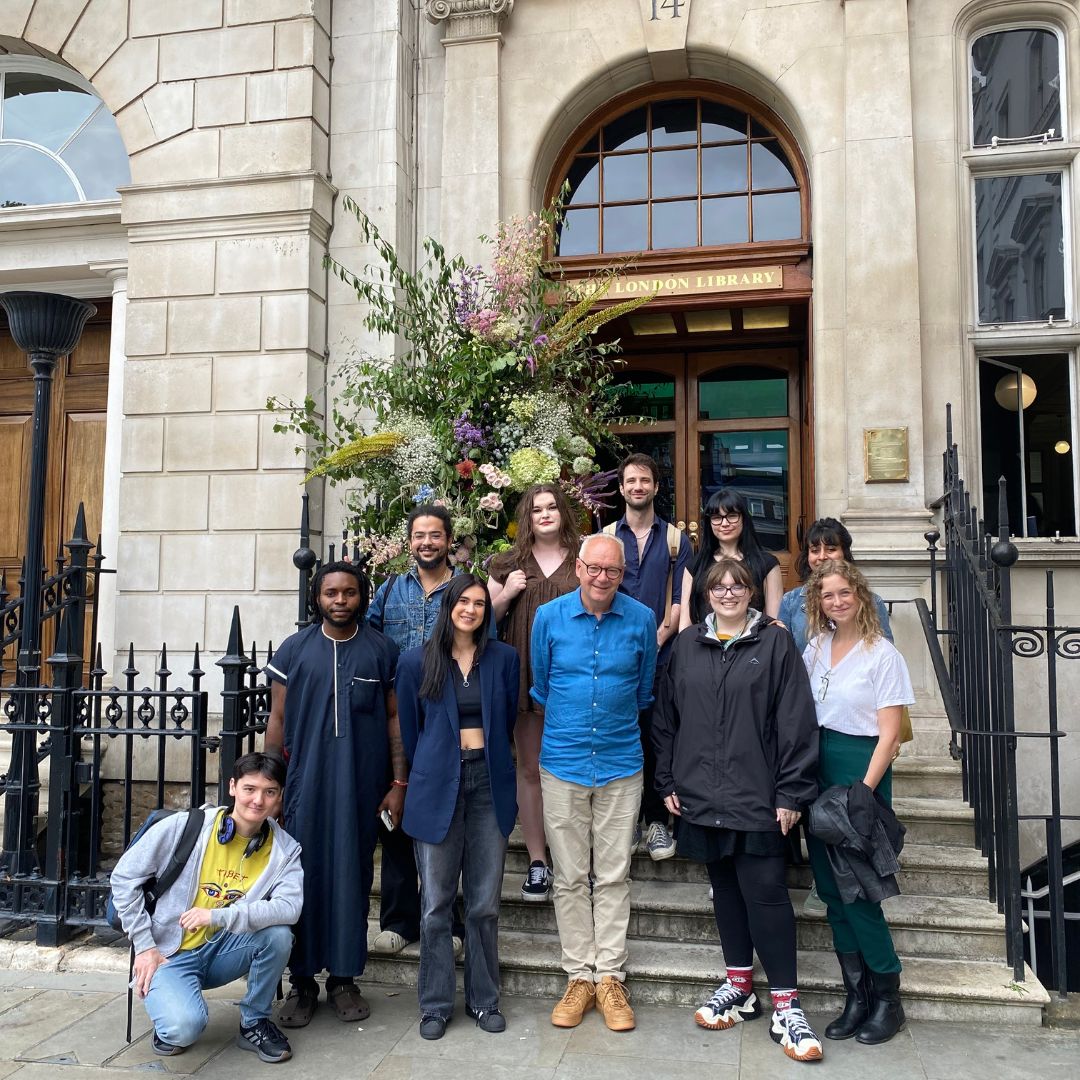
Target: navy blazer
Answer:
pixel 431 735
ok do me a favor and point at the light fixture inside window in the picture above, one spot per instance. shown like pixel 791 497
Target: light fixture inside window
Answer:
pixel 645 325
pixel 1062 446
pixel 703 322
pixel 765 318
pixel 1009 396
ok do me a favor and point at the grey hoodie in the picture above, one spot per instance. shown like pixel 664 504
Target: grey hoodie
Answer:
pixel 275 899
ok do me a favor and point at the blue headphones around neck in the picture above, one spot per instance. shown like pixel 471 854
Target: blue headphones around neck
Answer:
pixel 227 830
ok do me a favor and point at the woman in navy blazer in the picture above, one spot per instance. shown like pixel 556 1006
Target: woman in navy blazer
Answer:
pixel 457 702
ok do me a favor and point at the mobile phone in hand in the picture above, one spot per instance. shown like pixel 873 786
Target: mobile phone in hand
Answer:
pixel 387 820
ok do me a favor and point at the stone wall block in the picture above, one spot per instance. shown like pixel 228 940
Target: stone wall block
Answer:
pixel 175 268
pixel 145 332
pixel 180 385
pixel 221 324
pixel 215 561
pixel 306 94
pixel 255 501
pixel 163 504
pixel 129 72
pixel 232 51
pixel 205 443
pixel 101 30
pixel 278 146
pixel 142 444
pixel 266 98
pixel 277 449
pixel 173 617
pixel 253 11
pixel 191 156
pixel 220 101
pixel 302 43
pixel 266 617
pixel 51 23
pixel 364 106
pixel 13 16
pixel 877 110
pixel 243 383
pixel 138 558
pixel 292 321
pixel 367 58
pixel 153 17
pixel 274 570
pixel 171 108
pixel 135 127
pixel 268 263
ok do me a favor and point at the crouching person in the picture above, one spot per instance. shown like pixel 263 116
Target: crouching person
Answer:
pixel 228 914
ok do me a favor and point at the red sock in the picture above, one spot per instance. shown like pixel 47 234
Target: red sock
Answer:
pixel 781 999
pixel 741 978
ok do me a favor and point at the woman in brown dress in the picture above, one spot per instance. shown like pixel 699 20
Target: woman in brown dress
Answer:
pixel 539 568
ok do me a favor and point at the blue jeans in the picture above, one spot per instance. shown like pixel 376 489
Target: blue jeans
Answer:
pixel 475 848
pixel 175 1002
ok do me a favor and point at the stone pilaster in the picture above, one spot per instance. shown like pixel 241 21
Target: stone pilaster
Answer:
pixel 469 20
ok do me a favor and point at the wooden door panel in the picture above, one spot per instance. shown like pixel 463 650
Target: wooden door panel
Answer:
pixel 83 472
pixel 14 468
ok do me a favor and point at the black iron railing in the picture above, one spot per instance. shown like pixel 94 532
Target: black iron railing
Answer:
pixel 976 648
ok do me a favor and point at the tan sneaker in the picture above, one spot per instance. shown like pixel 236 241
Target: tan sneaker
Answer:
pixel 579 998
pixel 614 1005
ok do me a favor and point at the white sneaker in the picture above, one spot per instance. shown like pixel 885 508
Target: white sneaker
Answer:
pixel 726 1008
pixel 659 842
pixel 793 1032
pixel 388 942
pixel 459 947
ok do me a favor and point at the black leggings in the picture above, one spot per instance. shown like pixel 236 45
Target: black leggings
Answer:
pixel 753 910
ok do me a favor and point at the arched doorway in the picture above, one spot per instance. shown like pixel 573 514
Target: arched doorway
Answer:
pixel 698 194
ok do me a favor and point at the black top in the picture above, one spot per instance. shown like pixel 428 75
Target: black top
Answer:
pixel 467 693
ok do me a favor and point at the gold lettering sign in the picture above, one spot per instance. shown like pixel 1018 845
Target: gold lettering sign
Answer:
pixel 885 455
pixel 696 282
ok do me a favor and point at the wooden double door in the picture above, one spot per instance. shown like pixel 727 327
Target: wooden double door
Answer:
pixel 731 418
pixel 76 442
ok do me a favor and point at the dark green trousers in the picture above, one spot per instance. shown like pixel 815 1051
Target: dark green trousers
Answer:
pixel 859 927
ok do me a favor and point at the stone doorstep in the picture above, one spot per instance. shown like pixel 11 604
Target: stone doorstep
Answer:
pixel 936 821
pixel 684 974
pixel 927 777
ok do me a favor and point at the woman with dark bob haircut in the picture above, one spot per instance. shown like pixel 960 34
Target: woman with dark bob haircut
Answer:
pixel 731 534
pixel 457 702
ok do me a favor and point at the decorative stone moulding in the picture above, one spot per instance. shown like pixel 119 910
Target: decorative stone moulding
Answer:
pixel 469 20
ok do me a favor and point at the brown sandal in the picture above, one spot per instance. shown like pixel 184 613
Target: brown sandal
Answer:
pixel 349 1003
pixel 297 1009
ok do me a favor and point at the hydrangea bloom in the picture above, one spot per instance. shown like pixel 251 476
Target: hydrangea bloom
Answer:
pixel 532 466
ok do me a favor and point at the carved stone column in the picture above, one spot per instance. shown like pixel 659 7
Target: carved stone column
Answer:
pixel 470 147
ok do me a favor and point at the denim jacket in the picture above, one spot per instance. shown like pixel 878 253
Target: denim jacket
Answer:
pixel 403 613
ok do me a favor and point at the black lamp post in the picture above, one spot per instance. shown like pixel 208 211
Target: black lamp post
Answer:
pixel 46 326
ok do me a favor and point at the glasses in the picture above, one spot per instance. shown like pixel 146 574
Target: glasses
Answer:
pixel 726 519
pixel 612 573
pixel 727 590
pixel 823 686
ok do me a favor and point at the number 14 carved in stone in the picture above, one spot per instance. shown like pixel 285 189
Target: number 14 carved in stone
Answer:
pixel 674 6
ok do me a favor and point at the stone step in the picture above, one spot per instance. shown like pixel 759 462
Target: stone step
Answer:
pixel 927 778
pixel 936 821
pixel 931 738
pixel 964 929
pixel 927 869
pixel 678 973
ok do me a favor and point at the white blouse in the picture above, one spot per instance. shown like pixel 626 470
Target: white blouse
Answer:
pixel 869 678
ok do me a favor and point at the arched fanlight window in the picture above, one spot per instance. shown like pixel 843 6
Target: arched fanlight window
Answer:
pixel 59 142
pixel 676 173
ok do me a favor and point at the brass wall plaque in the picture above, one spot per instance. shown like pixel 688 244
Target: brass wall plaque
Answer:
pixel 885 455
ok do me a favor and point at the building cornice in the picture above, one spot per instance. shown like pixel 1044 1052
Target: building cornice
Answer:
pixel 470 20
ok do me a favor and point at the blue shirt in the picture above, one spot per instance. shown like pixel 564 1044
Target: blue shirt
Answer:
pixel 793 615
pixel 593 676
pixel 646 579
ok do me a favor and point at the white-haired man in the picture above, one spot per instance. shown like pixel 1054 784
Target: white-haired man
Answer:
pixel 593 659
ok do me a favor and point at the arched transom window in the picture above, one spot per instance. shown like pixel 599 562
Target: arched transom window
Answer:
pixel 679 173
pixel 58 141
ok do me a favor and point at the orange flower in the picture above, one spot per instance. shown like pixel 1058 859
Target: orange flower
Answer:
pixel 465 469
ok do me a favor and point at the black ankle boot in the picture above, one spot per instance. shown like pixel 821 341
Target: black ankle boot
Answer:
pixel 857 1006
pixel 886 1011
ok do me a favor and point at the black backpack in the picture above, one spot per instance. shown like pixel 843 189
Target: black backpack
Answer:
pixel 156 887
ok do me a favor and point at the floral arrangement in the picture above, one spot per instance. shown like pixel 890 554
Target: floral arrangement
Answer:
pixel 496 384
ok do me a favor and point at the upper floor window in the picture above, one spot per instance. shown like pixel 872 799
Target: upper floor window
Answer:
pixel 679 173
pixel 58 141
pixel 1015 86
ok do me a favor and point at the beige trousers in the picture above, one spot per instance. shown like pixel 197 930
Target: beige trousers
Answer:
pixel 591 826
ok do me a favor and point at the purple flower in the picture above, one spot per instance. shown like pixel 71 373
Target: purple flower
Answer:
pixel 467 433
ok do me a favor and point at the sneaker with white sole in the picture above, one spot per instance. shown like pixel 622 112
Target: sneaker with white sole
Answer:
pixel 659 842
pixel 388 942
pixel 265 1038
pixel 537 884
pixel 793 1032
pixel 726 1008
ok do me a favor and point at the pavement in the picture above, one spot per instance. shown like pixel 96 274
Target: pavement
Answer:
pixel 69 1025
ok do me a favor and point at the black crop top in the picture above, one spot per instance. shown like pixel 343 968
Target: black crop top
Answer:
pixel 470 714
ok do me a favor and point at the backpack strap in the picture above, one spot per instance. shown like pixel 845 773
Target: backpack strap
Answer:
pixel 178 860
pixel 609 530
pixel 673 540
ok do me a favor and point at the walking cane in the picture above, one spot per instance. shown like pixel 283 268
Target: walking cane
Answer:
pixel 131 979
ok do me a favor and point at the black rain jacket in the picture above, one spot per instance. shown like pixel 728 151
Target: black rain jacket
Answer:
pixel 735 730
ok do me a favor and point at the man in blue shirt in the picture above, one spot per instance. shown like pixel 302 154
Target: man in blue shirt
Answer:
pixel 593 661
pixel 656 553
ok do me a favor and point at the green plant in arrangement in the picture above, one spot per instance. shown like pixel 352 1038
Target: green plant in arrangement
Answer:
pixel 496 383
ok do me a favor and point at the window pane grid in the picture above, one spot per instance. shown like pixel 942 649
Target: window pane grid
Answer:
pixel 648 187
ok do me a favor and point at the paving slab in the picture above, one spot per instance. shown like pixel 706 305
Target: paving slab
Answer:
pixel 220 1030
pixel 948 1051
pixel 594 1067
pixel 95 1038
pixel 402 1067
pixel 10 996
pixel 36 1018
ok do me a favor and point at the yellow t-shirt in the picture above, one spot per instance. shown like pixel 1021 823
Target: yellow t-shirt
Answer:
pixel 224 877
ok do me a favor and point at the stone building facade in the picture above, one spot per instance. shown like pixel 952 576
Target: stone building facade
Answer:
pixel 925 240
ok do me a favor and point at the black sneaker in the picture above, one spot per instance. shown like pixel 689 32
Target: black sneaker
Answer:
pixel 265 1038
pixel 793 1032
pixel 726 1008
pixel 537 884
pixel 164 1049
pixel 432 1027
pixel 490 1020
